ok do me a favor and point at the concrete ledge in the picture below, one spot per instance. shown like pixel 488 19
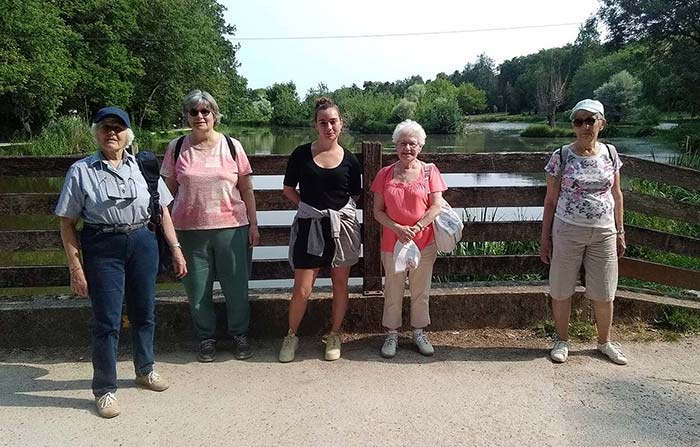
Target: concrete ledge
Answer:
pixel 64 321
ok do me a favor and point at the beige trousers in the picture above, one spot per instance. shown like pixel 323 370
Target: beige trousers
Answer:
pixel 419 281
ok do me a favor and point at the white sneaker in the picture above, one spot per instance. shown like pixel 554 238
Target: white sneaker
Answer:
pixel 333 343
pixel 289 348
pixel 390 344
pixel 560 351
pixel 107 405
pixel 612 350
pixel 423 344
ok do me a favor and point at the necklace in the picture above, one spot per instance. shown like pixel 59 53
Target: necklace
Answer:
pixel 403 175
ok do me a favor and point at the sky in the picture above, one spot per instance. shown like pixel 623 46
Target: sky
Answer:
pixel 339 62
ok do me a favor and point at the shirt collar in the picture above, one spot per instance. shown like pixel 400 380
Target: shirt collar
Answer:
pixel 98 157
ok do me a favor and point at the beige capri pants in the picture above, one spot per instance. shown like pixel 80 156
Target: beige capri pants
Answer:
pixel 419 279
pixel 596 248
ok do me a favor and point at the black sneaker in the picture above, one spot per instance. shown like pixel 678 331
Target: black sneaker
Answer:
pixel 207 350
pixel 243 349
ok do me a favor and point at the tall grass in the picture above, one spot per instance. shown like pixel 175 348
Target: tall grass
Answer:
pixel 64 136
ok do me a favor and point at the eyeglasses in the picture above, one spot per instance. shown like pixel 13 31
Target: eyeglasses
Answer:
pixel 194 112
pixel 407 144
pixel 116 128
pixel 578 122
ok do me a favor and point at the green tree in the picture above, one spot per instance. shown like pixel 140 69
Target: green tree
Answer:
pixel 404 110
pixel 286 108
pixel 471 99
pixel 619 95
pixel 35 63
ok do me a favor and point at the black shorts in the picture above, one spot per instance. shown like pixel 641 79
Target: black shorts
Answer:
pixel 304 260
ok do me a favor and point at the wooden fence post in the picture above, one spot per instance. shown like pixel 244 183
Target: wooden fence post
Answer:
pixel 371 237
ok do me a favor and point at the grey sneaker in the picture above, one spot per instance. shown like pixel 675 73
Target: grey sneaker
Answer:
pixel 560 351
pixel 207 350
pixel 107 405
pixel 153 381
pixel 612 350
pixel 390 344
pixel 243 349
pixel 333 343
pixel 424 346
pixel 289 348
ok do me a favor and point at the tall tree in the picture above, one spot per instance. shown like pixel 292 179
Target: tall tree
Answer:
pixel 35 63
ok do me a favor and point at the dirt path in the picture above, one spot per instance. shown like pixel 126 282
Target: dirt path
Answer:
pixel 482 388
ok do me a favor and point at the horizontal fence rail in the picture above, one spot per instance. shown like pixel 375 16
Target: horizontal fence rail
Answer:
pixel 369 268
pixel 490 162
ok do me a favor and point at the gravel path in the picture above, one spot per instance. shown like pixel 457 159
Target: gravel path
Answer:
pixel 500 392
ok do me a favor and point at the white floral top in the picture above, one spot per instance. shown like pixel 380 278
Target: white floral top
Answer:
pixel 585 197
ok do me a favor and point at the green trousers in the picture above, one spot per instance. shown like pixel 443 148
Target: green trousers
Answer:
pixel 221 254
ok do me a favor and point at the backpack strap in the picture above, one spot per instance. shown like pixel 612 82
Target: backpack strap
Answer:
pixel 562 159
pixel 178 147
pixel 231 147
pixel 612 153
pixel 426 176
pixel 150 169
pixel 229 142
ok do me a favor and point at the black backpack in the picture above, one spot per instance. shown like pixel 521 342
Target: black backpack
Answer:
pixel 150 169
pixel 178 147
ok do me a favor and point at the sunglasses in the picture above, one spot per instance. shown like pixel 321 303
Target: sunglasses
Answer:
pixel 107 128
pixel 194 112
pixel 578 122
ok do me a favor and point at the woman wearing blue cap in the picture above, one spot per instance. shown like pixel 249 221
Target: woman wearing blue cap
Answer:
pixel 119 251
pixel 583 224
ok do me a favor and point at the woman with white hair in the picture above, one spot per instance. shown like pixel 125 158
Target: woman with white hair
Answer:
pixel 214 214
pixel 120 253
pixel 583 224
pixel 407 199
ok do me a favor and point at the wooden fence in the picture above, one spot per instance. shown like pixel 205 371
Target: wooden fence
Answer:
pixel 372 159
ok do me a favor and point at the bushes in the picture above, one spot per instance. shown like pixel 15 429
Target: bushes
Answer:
pixel 62 136
pixel 544 131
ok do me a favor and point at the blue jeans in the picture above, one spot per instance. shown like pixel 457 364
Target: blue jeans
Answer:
pixel 120 267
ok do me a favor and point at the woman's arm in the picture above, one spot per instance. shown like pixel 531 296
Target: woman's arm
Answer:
pixel 431 213
pixel 619 213
pixel 550 204
pixel 403 232
pixel 292 194
pixel 245 186
pixel 179 264
pixel 69 237
pixel 172 185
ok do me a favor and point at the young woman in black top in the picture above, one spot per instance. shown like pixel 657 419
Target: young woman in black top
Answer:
pixel 328 176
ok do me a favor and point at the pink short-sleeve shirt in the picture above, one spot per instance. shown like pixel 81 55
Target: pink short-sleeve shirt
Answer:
pixel 207 177
pixel 406 203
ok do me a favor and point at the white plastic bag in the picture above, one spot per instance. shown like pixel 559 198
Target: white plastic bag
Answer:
pixel 448 228
pixel 406 256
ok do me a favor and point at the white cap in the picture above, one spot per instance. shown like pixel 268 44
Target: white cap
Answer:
pixel 590 105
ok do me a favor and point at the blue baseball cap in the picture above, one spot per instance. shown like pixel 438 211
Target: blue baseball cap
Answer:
pixel 114 112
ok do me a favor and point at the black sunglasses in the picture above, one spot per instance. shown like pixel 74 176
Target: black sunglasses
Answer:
pixel 194 112
pixel 578 122
pixel 116 128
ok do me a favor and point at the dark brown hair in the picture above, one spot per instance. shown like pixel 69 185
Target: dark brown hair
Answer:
pixel 324 103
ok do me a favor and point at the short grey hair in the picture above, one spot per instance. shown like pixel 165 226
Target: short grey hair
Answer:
pixel 196 98
pixel 129 133
pixel 410 128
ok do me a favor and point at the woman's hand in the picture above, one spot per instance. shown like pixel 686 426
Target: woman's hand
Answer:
pixel 179 264
pixel 621 245
pixel 78 283
pixel 253 235
pixel 546 250
pixel 404 233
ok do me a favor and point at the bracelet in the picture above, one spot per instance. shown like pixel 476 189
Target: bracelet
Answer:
pixel 176 245
pixel 620 231
pixel 420 227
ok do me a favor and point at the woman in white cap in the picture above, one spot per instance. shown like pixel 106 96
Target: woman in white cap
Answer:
pixel 583 224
